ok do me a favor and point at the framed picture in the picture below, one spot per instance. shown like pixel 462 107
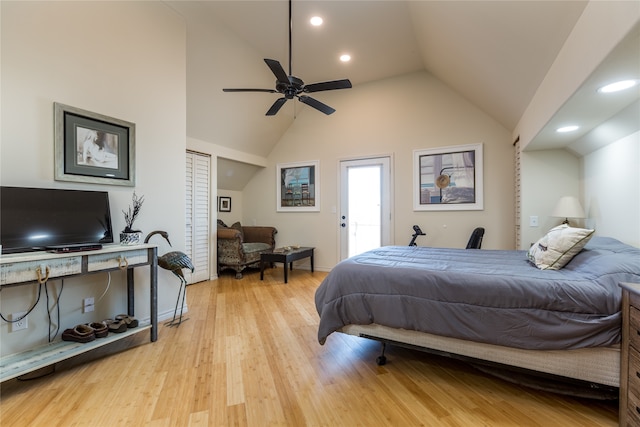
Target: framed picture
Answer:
pixel 224 204
pixel 93 148
pixel 298 187
pixel 448 178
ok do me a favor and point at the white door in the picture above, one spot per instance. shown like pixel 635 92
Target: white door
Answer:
pixel 365 205
pixel 197 215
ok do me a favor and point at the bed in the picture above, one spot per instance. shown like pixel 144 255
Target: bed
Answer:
pixel 493 307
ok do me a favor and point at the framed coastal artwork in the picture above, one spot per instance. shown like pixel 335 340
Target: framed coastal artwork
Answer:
pixel 298 187
pixel 448 178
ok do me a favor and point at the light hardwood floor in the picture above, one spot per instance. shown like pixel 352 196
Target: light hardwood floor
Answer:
pixel 249 356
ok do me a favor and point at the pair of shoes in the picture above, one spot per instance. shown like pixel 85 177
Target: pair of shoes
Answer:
pixel 80 333
pixel 121 323
pixel 100 329
pixel 131 321
pixel 86 332
pixel 116 326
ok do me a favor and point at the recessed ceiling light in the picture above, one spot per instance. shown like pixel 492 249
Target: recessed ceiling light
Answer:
pixel 617 86
pixel 345 58
pixel 316 21
pixel 567 128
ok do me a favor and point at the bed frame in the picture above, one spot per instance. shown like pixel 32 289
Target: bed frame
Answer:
pixel 597 369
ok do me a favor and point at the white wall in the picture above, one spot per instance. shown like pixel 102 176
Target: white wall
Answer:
pixel 605 181
pixel 546 176
pixel 393 116
pixel 122 59
pixel 236 207
pixel 611 180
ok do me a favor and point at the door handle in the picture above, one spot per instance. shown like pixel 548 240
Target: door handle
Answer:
pixel 343 225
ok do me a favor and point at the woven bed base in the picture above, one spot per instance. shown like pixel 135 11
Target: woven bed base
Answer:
pixel 594 365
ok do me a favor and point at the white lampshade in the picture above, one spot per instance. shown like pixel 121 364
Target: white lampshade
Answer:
pixel 568 207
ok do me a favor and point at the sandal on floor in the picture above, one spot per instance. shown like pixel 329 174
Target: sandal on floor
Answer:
pixel 80 333
pixel 131 321
pixel 116 326
pixel 100 329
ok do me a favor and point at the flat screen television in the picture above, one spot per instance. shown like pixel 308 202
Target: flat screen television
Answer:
pixel 33 219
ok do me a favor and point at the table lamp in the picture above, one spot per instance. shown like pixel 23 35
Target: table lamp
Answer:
pixel 568 207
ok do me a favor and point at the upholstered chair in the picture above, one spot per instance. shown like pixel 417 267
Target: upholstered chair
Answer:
pixel 240 246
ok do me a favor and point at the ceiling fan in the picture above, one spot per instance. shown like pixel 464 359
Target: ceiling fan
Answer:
pixel 293 87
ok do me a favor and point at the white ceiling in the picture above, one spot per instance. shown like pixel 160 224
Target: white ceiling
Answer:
pixel 602 117
pixel 494 53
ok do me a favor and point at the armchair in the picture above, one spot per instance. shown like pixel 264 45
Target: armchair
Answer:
pixel 240 247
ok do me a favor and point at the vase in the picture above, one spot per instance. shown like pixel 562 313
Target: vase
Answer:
pixel 130 238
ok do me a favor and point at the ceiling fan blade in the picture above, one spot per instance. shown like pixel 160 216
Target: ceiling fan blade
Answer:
pixel 277 71
pixel 332 85
pixel 316 104
pixel 276 106
pixel 250 90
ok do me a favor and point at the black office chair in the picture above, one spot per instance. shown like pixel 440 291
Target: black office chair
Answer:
pixel 475 241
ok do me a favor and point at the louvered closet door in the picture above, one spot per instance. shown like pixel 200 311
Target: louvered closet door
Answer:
pixel 197 214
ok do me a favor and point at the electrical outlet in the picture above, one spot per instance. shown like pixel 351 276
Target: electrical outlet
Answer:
pixel 20 324
pixel 88 305
pixel 533 221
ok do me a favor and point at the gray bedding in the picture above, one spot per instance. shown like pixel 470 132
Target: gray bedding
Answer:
pixel 489 296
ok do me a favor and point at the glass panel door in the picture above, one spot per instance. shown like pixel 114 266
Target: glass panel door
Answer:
pixel 365 217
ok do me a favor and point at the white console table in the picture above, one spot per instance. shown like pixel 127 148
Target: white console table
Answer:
pixel 27 268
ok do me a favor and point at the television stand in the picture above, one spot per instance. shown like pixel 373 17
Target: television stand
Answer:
pixel 26 268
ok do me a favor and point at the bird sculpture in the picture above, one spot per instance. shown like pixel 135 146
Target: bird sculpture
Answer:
pixel 175 262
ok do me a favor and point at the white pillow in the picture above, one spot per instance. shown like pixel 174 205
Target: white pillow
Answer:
pixel 556 248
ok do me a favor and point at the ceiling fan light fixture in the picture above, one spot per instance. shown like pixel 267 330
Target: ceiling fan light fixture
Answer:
pixel 618 86
pixel 316 21
pixel 345 57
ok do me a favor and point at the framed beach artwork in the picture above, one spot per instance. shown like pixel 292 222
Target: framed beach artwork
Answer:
pixel 448 178
pixel 298 187
pixel 93 148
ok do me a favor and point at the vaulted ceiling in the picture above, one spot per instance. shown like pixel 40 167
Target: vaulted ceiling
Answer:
pixel 494 53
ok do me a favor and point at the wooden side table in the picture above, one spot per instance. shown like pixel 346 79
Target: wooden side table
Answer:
pixel 630 356
pixel 286 257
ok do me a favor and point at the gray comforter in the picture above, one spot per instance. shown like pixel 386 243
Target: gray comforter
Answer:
pixel 489 296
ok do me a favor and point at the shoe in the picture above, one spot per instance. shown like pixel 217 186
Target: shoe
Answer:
pixel 116 326
pixel 81 333
pixel 131 321
pixel 100 329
